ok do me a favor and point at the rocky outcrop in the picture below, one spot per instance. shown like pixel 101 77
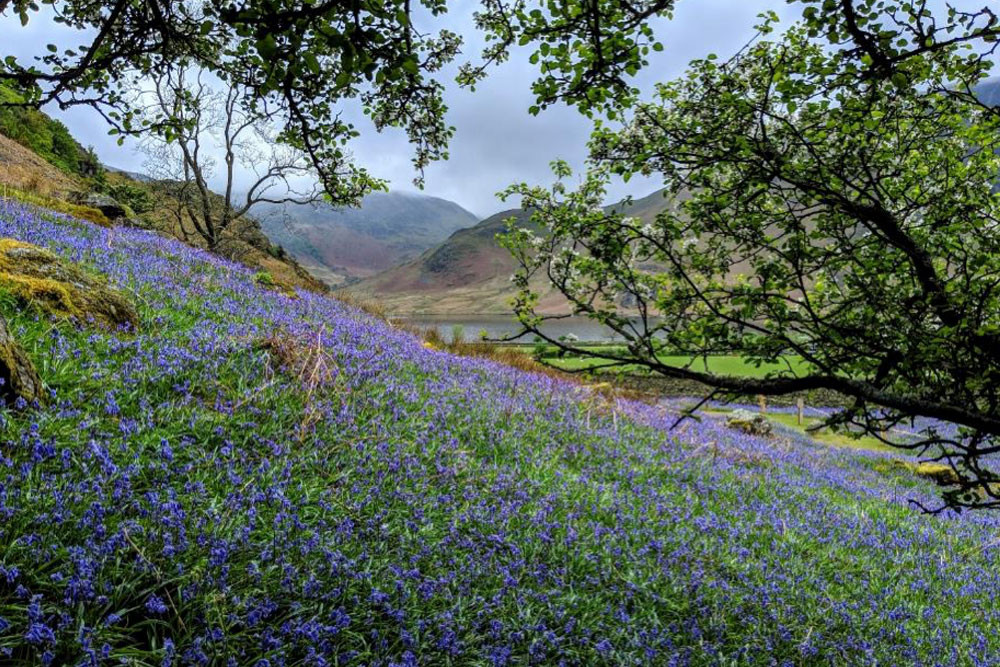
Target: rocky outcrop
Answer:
pixel 18 377
pixel 41 280
pixel 110 207
pixel 748 422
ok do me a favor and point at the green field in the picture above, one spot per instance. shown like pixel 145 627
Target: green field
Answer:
pixel 722 365
pixel 824 436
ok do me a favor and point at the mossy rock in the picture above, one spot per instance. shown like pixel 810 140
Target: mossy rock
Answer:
pixel 106 204
pixel 750 423
pixel 84 213
pixel 18 377
pixel 938 472
pixel 941 473
pixel 41 280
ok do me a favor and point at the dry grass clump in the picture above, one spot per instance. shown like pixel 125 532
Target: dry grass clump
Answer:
pixel 309 362
pixel 305 359
pixel 373 308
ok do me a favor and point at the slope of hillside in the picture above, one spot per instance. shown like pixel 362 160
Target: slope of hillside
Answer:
pixel 40 162
pixel 261 480
pixel 340 244
pixel 44 136
pixel 25 170
pixel 470 272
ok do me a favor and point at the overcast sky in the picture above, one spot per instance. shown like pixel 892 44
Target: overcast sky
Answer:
pixel 496 141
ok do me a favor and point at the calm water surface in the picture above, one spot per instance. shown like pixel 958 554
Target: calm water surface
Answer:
pixel 499 326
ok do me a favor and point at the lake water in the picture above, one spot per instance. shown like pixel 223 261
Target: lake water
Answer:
pixel 498 326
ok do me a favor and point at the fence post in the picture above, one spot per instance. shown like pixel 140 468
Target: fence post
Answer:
pixel 762 402
pixel 801 405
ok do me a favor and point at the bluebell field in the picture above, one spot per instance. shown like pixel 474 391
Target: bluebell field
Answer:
pixel 184 498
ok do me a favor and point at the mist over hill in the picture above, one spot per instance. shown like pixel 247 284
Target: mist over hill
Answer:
pixel 343 244
pixel 988 92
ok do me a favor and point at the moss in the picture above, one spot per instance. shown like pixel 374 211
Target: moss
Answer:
pixel 939 472
pixel 17 372
pixel 83 212
pixel 48 295
pixel 265 279
pixel 41 280
pixel 76 210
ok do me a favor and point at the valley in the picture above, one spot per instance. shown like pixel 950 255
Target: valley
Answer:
pixel 469 272
pixel 261 404
pixel 340 245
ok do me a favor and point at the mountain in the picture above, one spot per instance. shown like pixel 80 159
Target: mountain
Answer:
pixel 341 244
pixel 988 92
pixel 470 272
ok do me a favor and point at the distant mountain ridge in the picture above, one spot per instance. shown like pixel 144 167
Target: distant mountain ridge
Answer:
pixel 340 245
pixel 469 273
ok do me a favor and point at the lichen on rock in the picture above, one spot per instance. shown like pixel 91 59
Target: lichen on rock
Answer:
pixel 42 280
pixel 749 423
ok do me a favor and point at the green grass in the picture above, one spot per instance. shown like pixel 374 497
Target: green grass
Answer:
pixel 717 365
pixel 826 436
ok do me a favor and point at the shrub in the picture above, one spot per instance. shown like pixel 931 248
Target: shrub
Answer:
pixel 45 136
pixel 264 278
pixel 131 195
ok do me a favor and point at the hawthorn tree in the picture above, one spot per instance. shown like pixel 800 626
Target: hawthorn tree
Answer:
pixel 832 199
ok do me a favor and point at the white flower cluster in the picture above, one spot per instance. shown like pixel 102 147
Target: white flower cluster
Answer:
pixel 688 242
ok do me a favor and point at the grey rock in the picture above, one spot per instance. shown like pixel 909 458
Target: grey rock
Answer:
pixel 105 204
pixel 750 423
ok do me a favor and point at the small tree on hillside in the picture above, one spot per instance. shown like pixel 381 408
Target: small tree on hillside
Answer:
pixel 831 202
pixel 201 123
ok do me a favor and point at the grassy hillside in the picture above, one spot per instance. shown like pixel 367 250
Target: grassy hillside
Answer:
pixel 41 164
pixel 262 480
pixel 470 272
pixel 44 136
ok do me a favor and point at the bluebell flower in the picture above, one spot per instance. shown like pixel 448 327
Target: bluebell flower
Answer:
pixel 155 605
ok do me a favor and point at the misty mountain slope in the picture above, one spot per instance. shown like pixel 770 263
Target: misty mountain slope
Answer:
pixel 341 244
pixel 988 92
pixel 470 272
